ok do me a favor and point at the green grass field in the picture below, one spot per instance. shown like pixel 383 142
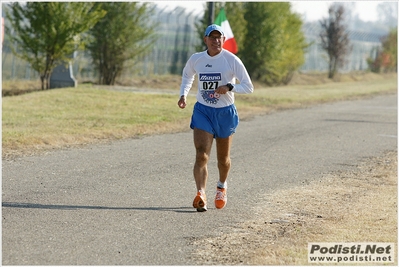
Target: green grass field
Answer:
pixel 84 115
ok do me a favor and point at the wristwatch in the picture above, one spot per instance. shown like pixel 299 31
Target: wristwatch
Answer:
pixel 230 86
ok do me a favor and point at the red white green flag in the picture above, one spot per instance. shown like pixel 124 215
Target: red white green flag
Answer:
pixel 230 43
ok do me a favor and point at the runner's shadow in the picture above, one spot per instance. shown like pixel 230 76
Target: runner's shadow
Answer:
pixel 76 207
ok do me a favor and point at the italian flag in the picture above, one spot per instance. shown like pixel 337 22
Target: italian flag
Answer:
pixel 230 43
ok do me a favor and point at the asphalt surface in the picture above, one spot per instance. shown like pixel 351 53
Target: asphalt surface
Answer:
pixel 129 202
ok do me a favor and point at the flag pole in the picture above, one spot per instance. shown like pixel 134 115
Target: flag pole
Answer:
pixel 211 15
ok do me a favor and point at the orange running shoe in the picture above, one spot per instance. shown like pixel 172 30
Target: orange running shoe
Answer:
pixel 200 202
pixel 221 198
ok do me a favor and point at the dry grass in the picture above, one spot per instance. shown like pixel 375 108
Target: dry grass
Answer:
pixel 11 88
pixel 78 116
pixel 36 122
pixel 355 206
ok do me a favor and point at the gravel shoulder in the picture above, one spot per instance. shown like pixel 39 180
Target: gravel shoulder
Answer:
pixel 347 206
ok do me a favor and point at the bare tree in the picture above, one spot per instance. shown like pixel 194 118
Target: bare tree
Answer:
pixel 335 38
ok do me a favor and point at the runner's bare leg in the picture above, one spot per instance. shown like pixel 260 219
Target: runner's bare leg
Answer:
pixel 203 144
pixel 223 146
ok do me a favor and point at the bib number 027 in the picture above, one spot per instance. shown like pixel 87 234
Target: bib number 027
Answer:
pixel 209 85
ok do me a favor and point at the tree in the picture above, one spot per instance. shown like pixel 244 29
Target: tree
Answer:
pixel 390 48
pixel 124 33
pixel 46 33
pixel 387 57
pixel 274 44
pixel 335 38
pixel 269 38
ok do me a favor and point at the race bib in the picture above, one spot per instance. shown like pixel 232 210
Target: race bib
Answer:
pixel 208 82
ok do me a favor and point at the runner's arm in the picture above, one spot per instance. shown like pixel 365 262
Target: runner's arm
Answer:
pixel 188 77
pixel 245 86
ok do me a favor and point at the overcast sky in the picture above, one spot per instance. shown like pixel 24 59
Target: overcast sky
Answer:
pixel 311 10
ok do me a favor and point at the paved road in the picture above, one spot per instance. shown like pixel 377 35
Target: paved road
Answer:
pixel 129 202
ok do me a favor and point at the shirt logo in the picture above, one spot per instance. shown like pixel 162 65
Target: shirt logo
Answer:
pixel 210 77
pixel 208 66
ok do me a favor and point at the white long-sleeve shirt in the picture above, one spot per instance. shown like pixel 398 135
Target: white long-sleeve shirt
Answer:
pixel 213 72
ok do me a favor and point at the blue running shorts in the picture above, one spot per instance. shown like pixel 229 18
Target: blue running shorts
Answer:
pixel 221 122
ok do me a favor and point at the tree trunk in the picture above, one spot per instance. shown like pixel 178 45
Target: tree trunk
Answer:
pixel 332 69
pixel 42 81
pixel 47 81
pixel 47 72
pixel 108 77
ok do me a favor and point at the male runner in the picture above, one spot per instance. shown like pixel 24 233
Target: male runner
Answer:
pixel 214 115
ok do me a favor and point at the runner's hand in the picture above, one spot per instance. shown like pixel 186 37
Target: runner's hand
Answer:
pixel 222 89
pixel 182 102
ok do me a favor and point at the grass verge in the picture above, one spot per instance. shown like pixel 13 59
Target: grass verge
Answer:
pixel 61 118
pixel 83 115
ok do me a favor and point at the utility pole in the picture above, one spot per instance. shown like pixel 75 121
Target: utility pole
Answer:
pixel 211 16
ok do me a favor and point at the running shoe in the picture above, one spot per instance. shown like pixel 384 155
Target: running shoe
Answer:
pixel 221 198
pixel 200 202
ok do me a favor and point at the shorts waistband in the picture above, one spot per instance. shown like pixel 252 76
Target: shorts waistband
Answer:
pixel 218 108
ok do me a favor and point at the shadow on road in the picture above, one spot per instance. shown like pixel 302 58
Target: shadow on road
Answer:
pixel 75 207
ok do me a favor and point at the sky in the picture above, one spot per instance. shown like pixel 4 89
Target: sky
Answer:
pixel 311 10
